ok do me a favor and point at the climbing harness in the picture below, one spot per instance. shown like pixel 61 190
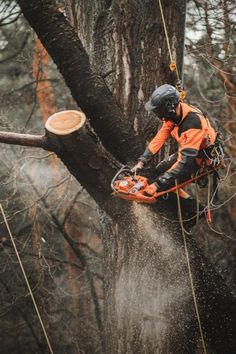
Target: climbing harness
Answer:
pixel 190 273
pixel 26 280
pixel 172 66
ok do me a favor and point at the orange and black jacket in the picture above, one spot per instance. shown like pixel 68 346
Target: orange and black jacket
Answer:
pixel 193 134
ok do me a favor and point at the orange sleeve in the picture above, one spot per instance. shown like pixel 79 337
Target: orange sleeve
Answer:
pixel 162 135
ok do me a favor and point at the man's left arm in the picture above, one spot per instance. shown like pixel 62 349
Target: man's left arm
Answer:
pixel 189 145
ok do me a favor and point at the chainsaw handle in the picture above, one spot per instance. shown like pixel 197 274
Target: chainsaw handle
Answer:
pixel 122 169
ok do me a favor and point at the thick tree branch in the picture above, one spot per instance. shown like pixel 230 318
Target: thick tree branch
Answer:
pixel 88 89
pixel 80 150
pixel 25 140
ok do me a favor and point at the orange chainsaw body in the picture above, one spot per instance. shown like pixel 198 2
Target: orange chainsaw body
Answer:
pixel 133 188
pixel 130 187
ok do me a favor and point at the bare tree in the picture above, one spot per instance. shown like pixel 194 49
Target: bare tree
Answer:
pixel 210 79
pixel 212 46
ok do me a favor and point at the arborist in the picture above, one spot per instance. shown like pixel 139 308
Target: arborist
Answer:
pixel 189 127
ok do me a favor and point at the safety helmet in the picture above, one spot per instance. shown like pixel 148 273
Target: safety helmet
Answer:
pixel 163 102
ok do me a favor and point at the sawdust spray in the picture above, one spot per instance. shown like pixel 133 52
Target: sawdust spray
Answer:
pixel 152 290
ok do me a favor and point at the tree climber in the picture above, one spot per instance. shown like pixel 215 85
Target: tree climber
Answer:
pixel 189 127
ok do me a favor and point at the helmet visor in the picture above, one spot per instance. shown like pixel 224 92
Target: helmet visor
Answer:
pixel 159 112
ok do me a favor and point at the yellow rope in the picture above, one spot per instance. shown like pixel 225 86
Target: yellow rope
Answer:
pixel 198 204
pixel 26 279
pixel 167 40
pixel 190 273
pixel 209 193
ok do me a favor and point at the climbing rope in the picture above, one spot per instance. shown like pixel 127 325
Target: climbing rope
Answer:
pixel 209 220
pixel 197 199
pixel 190 272
pixel 172 65
pixel 26 279
pixel 198 203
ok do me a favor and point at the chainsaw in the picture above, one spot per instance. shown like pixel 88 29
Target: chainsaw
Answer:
pixel 129 186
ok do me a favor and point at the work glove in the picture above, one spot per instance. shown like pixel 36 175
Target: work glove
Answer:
pixel 137 167
pixel 151 189
pixel 165 181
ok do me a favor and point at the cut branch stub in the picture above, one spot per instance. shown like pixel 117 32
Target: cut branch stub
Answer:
pixel 65 122
pixel 81 152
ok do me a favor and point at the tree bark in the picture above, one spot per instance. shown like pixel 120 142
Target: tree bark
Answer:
pixel 126 44
pixel 147 279
pixel 88 88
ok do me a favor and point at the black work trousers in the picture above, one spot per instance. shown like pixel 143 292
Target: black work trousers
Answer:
pixel 188 206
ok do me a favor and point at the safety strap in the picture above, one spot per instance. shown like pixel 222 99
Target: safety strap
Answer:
pixel 190 273
pixel 215 185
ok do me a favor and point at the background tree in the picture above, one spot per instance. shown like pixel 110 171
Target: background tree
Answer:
pixel 210 47
pixel 49 204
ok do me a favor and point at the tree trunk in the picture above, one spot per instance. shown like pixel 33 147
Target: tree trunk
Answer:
pixel 149 306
